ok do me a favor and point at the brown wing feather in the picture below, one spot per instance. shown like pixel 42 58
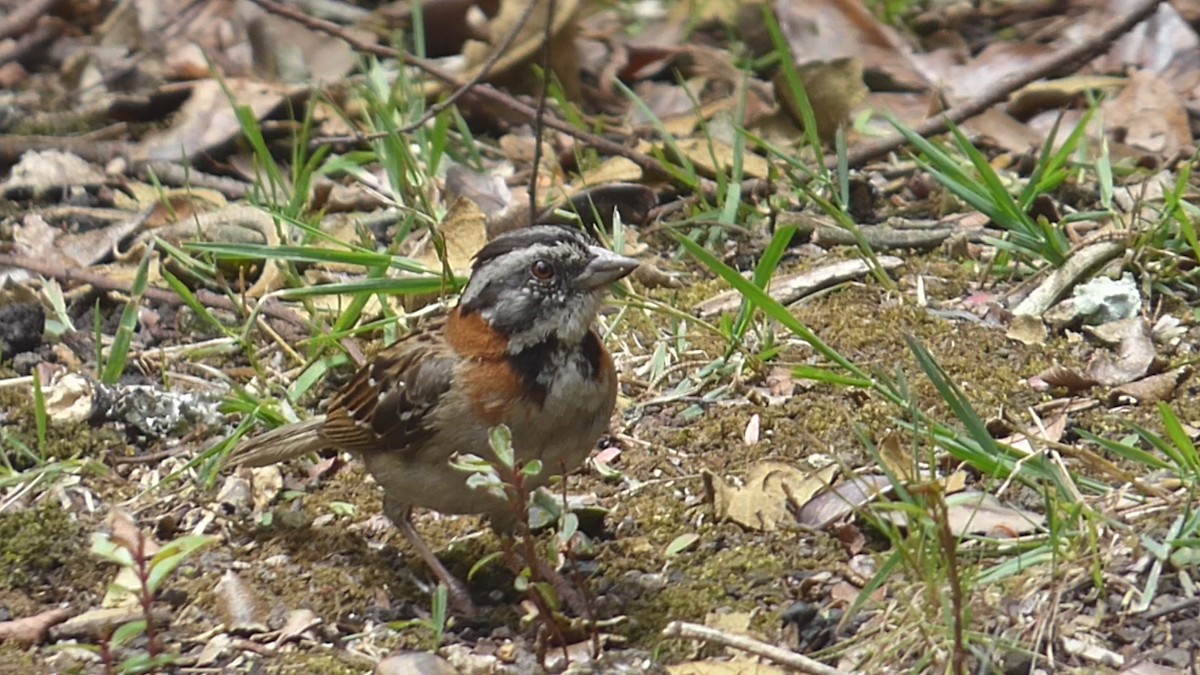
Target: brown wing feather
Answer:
pixel 386 406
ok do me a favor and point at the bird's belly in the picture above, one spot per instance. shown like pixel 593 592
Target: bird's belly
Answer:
pixel 560 433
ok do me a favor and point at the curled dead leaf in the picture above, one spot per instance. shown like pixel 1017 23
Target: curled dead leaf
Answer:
pixel 772 492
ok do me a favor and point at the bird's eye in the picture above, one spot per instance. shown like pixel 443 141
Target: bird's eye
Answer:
pixel 542 270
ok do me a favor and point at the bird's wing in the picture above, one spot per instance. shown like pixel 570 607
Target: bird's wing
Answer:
pixel 387 405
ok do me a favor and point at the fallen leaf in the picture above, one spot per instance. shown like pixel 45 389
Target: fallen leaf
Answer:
pixel 511 69
pixel 1135 355
pixel 206 120
pixel 981 513
pixel 415 663
pixel 712 156
pixel 241 609
pixel 463 232
pixel 750 435
pixel 832 29
pixel 682 543
pixel 896 458
pixel 773 491
pixel 724 668
pixel 1061 376
pixel 841 500
pixel 1151 389
pixel 1027 329
pixel 833 89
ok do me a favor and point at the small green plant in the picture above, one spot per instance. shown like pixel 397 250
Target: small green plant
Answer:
pixel 40 417
pixel 439 618
pixel 118 353
pixel 1029 237
pixel 151 571
pixel 508 480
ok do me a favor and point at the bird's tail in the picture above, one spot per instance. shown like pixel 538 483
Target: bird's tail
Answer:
pixel 286 442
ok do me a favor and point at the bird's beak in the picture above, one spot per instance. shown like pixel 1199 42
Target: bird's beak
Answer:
pixel 604 268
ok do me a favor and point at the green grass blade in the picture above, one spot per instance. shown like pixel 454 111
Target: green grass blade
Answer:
pixel 114 367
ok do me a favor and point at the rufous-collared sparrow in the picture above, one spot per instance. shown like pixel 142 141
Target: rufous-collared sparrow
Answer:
pixel 520 349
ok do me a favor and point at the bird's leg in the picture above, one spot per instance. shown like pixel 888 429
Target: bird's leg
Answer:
pixel 567 593
pixel 401 516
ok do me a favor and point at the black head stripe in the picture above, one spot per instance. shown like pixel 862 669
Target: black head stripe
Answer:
pixel 548 235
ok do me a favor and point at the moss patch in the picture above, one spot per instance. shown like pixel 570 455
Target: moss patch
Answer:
pixel 40 547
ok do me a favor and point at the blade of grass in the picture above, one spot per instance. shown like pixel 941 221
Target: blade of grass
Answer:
pixel 114 367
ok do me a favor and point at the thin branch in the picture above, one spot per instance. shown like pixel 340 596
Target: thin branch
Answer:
pixel 540 116
pixel 483 90
pixel 1000 91
pixel 783 657
pixel 206 297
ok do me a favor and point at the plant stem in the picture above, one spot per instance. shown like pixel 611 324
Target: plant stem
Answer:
pixel 146 596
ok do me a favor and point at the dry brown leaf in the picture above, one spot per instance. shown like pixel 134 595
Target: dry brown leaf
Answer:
pixel 415 663
pixel 37 239
pixel 973 512
pixel 781 381
pixel 1061 376
pixel 1004 130
pixel 1058 93
pixel 979 512
pixel 68 396
pixel 1135 355
pixel 1156 44
pixel 789 288
pixel 1030 441
pixel 839 502
pixel 896 458
pixel 712 156
pixel 267 483
pixel 772 492
pixel 463 231
pixel 832 29
pixel 732 622
pixel 611 170
pixel 50 171
pixel 241 608
pixel 1151 389
pixel 1027 329
pixel 511 70
pixel 833 89
pixel 298 624
pixel 207 121
pixel 997 61
pixel 724 668
pixel 1149 115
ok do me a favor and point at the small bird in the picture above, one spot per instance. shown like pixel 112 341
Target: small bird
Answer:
pixel 520 349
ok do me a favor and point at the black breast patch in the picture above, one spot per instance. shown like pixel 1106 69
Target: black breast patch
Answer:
pixel 531 363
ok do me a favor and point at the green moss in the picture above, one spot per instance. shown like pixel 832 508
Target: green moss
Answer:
pixel 14 659
pixel 37 546
pixel 63 440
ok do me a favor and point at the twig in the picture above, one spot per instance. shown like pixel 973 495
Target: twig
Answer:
pixel 484 91
pixel 1062 280
pixel 998 92
pixel 540 116
pixel 784 657
pixel 45 31
pixel 206 297
pixel 171 173
pixel 497 53
pixel 21 19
